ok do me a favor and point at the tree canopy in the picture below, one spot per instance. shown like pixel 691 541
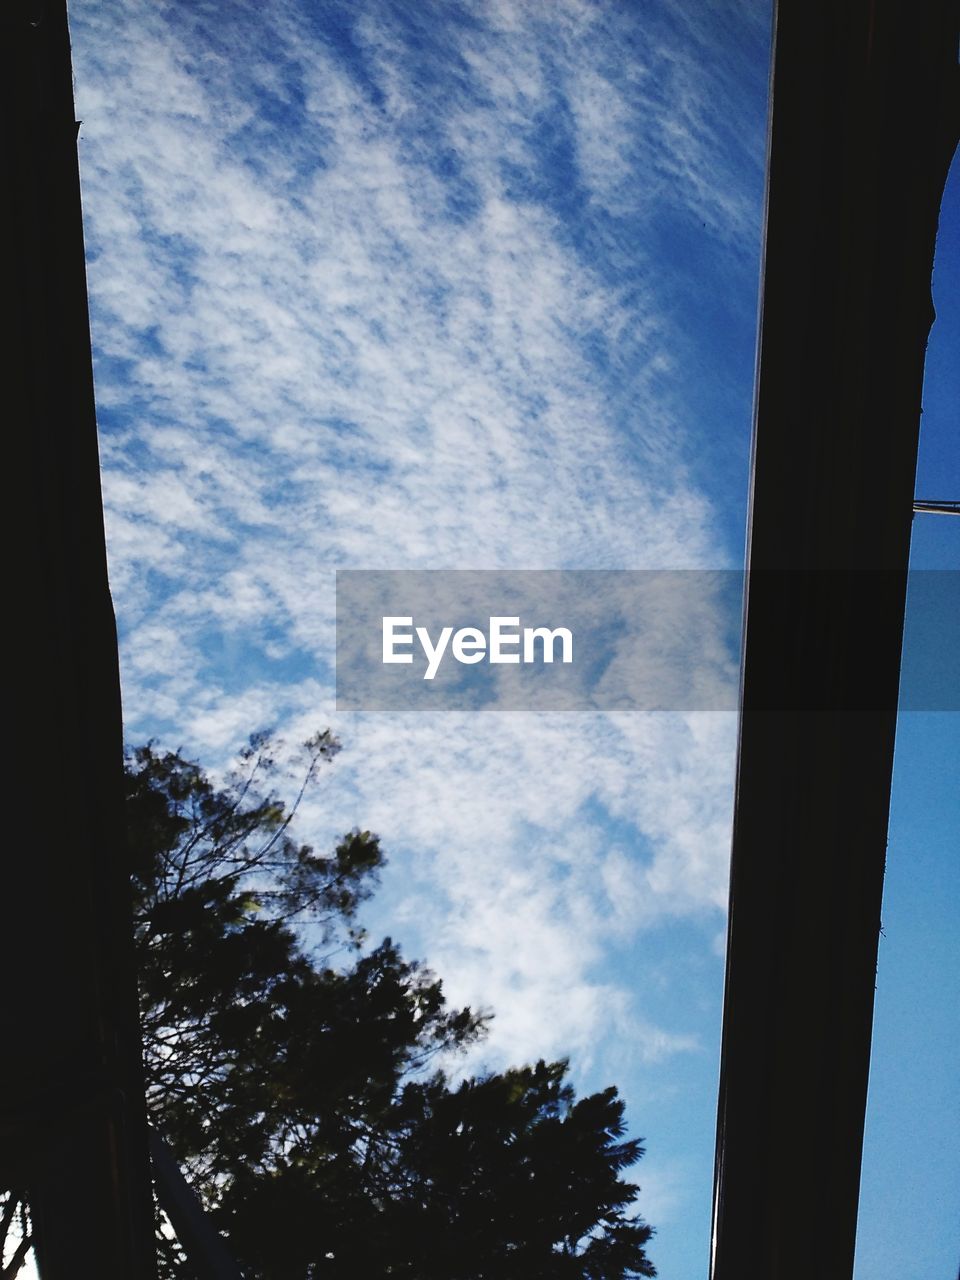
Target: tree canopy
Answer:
pixel 302 1077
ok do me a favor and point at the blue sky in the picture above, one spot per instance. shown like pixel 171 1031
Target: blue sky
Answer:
pixel 380 285
pixel 911 1169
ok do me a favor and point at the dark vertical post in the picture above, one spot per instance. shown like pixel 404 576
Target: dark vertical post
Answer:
pixel 73 1108
pixel 203 1245
pixel 863 123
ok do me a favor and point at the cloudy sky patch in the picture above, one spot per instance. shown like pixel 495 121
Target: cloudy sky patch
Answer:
pixel 444 286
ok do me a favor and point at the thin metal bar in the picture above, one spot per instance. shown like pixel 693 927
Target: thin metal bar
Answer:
pixel 933 507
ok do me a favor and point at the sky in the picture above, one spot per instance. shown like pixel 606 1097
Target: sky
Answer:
pixel 909 1203
pixel 460 286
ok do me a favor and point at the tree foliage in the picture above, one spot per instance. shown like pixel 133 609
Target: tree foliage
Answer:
pixel 299 1076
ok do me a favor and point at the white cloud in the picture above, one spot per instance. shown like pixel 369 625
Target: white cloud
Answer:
pixel 316 349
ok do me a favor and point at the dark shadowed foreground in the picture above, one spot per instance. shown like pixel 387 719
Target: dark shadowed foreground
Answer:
pixel 300 1075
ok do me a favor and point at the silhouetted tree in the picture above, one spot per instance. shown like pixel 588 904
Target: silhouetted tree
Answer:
pixel 301 1096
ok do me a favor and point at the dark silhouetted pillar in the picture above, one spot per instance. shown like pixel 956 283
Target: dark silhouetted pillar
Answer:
pixel 73 1126
pixel 863 123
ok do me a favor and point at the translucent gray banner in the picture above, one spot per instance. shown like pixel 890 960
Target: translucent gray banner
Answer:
pixel 602 640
